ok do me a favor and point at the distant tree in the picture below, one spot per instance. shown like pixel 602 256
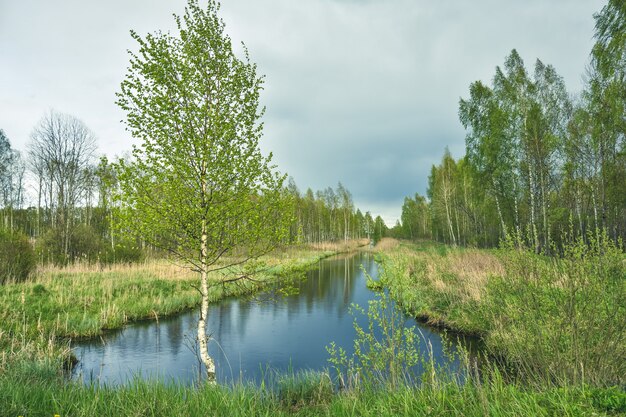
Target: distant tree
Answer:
pixel 198 185
pixel 60 153
pixel 415 218
pixel 368 225
pixel 380 229
pixel 11 181
pixel 347 207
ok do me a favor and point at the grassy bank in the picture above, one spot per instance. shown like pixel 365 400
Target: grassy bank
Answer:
pixel 38 390
pixel 80 301
pixel 85 300
pixel 485 292
pixel 557 320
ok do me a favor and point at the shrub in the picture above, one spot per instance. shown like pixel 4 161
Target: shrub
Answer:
pixel 84 244
pixel 562 319
pixel 125 251
pixel 308 388
pixel 17 258
pixel 385 351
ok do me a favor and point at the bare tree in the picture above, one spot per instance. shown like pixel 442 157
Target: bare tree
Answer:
pixel 61 152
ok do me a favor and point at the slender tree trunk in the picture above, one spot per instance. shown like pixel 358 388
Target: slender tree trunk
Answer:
pixel 515 202
pixel 449 219
pixel 39 208
pixel 499 208
pixel 204 311
pixel 531 186
pixel 544 209
pixel 204 287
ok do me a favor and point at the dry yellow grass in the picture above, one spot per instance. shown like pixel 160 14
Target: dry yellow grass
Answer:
pixel 160 268
pixel 464 271
pixel 172 271
pixel 473 268
pixel 340 246
pixel 386 244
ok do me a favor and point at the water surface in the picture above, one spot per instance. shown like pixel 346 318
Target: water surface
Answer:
pixel 251 335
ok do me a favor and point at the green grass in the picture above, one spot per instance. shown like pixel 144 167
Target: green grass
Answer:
pixel 557 320
pixel 32 390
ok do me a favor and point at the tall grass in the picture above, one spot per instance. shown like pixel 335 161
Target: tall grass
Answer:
pixel 35 392
pixel 38 391
pixel 557 320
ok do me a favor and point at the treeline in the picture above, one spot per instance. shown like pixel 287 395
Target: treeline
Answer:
pixel 330 215
pixel 538 163
pixel 74 215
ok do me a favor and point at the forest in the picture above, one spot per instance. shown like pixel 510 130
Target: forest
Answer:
pixel 540 164
pixel 76 214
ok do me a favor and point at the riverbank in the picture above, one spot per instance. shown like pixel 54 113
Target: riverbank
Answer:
pixel 557 320
pixel 40 391
pixel 440 280
pixel 82 301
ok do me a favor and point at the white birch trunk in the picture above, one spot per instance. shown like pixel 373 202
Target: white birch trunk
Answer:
pixel 504 234
pixel 204 311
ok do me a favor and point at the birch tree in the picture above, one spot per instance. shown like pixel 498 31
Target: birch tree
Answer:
pixel 61 151
pixel 198 185
pixel 11 181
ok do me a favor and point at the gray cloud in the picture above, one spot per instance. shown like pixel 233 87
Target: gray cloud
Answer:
pixel 362 92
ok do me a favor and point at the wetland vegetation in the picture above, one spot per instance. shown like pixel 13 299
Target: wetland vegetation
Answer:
pixel 519 244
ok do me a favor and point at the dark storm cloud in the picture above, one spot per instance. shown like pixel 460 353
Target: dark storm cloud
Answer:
pixel 362 92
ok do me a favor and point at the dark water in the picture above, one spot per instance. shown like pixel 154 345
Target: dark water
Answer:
pixel 252 336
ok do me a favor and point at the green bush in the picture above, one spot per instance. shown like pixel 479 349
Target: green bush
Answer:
pixel 562 319
pixel 17 258
pixel 611 399
pixel 83 244
pixel 304 389
pixel 125 251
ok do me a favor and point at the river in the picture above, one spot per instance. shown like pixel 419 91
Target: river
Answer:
pixel 253 336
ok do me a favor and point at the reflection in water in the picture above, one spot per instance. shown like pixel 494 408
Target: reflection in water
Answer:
pixel 251 335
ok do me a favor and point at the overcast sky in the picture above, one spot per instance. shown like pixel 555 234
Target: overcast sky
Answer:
pixel 359 91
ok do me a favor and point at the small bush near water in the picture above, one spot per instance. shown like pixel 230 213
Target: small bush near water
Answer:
pixel 17 258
